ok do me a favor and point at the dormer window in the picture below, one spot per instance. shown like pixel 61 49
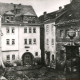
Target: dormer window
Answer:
pixel 7 17
pixel 12 18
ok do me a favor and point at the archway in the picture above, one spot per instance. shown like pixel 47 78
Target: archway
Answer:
pixel 27 58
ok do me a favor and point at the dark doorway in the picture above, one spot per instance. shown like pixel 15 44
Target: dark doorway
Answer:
pixel 27 58
pixel 48 58
pixel 72 58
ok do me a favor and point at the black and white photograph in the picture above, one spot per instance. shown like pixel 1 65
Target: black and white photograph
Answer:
pixel 39 39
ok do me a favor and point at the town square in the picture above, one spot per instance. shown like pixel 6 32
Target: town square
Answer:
pixel 39 44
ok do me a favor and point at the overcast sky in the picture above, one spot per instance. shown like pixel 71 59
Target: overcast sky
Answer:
pixel 41 5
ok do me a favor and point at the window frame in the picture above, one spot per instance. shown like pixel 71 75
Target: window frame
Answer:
pixel 34 29
pixel 25 29
pixel 52 41
pixel 30 30
pixel 47 41
pixel 7 30
pixel 66 33
pixel 61 33
pixel 8 41
pixel 25 41
pixel 34 41
pixel 8 57
pixel 13 30
pixel 13 57
pixel 47 28
pixel 30 41
pixel 36 53
pixel 13 41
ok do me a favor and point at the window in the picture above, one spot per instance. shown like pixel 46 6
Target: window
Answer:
pixel 47 41
pixel 7 17
pixel 7 30
pixel 13 30
pixel 52 41
pixel 30 30
pixel 7 41
pixel 12 18
pixel 61 33
pixel 30 41
pixel 77 33
pixel 13 41
pixel 34 30
pixel 47 28
pixel 34 41
pixel 8 57
pixel 66 33
pixel 25 41
pixel 13 57
pixel 52 28
pixel 25 30
pixel 36 53
pixel 52 57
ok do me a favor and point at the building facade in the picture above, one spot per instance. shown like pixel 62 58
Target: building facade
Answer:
pixel 48 22
pixel 20 39
pixel 50 46
pixel 68 37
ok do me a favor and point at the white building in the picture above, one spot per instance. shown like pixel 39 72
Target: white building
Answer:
pixel 20 40
pixel 50 42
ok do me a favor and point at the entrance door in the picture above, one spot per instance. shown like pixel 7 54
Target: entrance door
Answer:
pixel 27 59
pixel 48 58
pixel 72 58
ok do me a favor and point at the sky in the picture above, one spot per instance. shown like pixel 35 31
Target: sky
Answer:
pixel 40 6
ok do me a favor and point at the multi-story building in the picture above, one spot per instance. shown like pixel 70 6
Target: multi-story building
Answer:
pixel 50 44
pixel 48 22
pixel 68 36
pixel 20 40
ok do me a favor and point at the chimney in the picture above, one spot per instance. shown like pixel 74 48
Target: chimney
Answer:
pixel 60 8
pixel 45 15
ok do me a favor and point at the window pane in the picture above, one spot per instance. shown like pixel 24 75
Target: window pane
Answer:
pixel 61 33
pixel 7 30
pixel 13 30
pixel 13 41
pixel 25 30
pixel 7 41
pixel 30 41
pixel 25 41
pixel 13 57
pixel 36 53
pixel 34 41
pixel 52 41
pixel 8 57
pixel 52 57
pixel 66 33
pixel 34 30
pixel 30 30
pixel 47 28
pixel 47 41
pixel 12 18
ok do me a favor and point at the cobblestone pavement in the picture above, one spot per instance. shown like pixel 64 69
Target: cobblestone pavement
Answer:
pixel 42 73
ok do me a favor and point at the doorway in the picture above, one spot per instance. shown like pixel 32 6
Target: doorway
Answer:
pixel 27 58
pixel 72 58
